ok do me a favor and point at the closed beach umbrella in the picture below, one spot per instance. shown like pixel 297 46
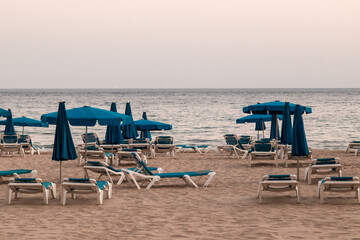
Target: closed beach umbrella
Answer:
pixel 113 133
pixel 286 130
pixel 4 113
pixel 274 131
pixel 88 116
pixel 129 129
pixel 145 126
pixel 64 148
pixel 299 143
pixel 26 122
pixel 9 125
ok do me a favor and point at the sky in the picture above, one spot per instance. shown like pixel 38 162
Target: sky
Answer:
pixel 179 44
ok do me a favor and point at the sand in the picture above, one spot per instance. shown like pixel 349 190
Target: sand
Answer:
pixel 227 209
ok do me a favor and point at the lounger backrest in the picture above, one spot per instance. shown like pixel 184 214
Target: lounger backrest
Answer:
pixel 141 164
pixel 231 139
pixel 10 138
pixel 239 145
pixel 277 177
pixel 26 180
pixel 163 140
pixel 245 140
pixel 263 147
pixel 91 138
pixel 141 140
pixel 325 161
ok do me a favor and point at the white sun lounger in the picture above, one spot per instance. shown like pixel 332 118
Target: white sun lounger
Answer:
pixel 30 186
pixel 353 146
pixel 105 169
pixel 338 184
pixel 11 148
pixel 93 153
pixel 147 174
pixel 15 173
pixel 278 183
pixel 323 166
pixel 233 147
pixel 85 186
pixel 263 151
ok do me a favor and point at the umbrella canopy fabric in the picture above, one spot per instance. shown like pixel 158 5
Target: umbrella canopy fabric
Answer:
pixel 255 118
pixel 9 125
pixel 129 129
pixel 113 133
pixel 274 131
pixel 299 143
pixel 88 116
pixel 275 107
pixel 4 113
pixel 286 129
pixel 26 122
pixel 64 148
pixel 145 126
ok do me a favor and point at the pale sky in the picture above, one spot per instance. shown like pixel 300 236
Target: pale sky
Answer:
pixel 179 43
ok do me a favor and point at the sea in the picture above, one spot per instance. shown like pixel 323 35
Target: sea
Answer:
pixel 198 116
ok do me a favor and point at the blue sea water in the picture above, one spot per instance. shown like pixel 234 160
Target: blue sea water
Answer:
pixel 198 116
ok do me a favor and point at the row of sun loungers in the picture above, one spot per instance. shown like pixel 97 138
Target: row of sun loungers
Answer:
pixel 17 144
pixel 76 186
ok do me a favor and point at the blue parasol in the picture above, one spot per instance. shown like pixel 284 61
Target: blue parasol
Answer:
pixel 113 133
pixel 129 129
pixel 9 125
pixel 25 122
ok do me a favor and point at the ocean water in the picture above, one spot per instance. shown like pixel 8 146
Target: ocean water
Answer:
pixel 198 116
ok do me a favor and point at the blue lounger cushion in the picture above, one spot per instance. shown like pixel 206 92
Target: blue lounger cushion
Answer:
pixel 355 141
pixel 12 172
pixel 279 177
pixel 325 162
pixel 100 184
pixel 341 178
pixel 32 180
pixel 182 174
pixel 325 159
pixel 129 150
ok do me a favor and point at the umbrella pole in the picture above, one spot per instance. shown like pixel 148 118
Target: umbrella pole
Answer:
pixel 263 126
pixel 258 136
pixel 85 144
pixel 60 172
pixel 298 178
pixel 23 131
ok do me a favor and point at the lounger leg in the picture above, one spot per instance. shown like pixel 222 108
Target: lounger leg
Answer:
pixel 109 191
pixel 245 154
pixel 17 194
pixel 53 190
pixel 260 195
pixel 80 159
pixel 155 179
pixel 211 175
pixel 309 176
pixel 63 194
pixel 86 175
pixel 298 196
pixel 133 180
pixel 321 194
pixel 358 195
pixel 8 195
pixel 188 178
pixel 121 179
pixel 108 174
pixel 249 164
pixel 46 196
pixel 100 195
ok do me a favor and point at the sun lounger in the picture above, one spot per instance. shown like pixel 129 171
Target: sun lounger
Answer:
pixel 105 169
pixel 323 166
pixel 146 148
pixel 30 186
pixel 197 149
pixel 233 147
pixel 26 144
pixel 10 139
pixel 164 144
pixel 286 155
pixel 338 184
pixel 15 173
pixel 125 155
pixel 85 186
pixel 11 148
pixel 147 174
pixel 279 183
pixel 91 138
pixel 93 152
pixel 353 146
pixel 262 151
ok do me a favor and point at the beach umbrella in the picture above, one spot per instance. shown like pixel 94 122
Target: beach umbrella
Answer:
pixel 129 129
pixel 258 119
pixel 4 113
pixel 113 133
pixel 64 148
pixel 26 122
pixel 145 126
pixel 274 108
pixel 88 117
pixel 286 129
pixel 299 143
pixel 9 125
pixel 274 131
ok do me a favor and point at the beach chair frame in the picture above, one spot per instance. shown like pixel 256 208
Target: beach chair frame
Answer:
pixel 329 185
pixel 323 169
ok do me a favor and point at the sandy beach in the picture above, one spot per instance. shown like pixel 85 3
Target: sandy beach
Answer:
pixel 227 209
